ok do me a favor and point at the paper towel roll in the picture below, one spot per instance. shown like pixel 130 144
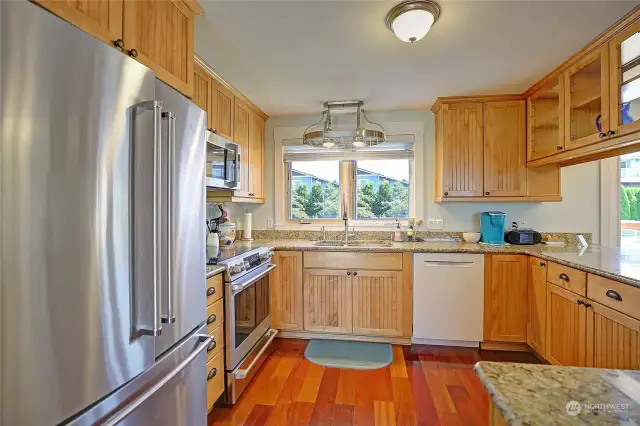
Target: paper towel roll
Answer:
pixel 246 232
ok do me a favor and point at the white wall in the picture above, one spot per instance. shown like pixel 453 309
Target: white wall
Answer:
pixel 579 212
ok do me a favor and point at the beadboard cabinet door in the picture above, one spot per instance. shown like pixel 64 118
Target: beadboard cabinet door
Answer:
pixel 203 93
pixel 566 327
pixel 100 18
pixel 377 303
pixel 159 34
pixel 256 156
pixel 223 109
pixel 241 118
pixel 327 299
pixel 286 291
pixel 613 338
pixel 505 157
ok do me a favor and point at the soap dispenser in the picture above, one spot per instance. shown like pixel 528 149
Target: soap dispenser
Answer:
pixel 398 236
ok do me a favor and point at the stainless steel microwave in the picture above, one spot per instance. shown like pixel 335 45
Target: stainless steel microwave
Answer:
pixel 223 163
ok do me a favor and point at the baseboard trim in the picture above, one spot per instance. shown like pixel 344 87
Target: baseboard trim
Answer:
pixel 505 346
pixel 306 335
pixel 441 342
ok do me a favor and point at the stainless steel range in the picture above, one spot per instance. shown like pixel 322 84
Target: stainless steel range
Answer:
pixel 247 314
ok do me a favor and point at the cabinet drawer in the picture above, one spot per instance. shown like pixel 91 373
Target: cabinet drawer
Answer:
pixel 214 316
pixel 568 278
pixel 214 288
pixel 345 260
pixel 616 295
pixel 217 344
pixel 215 379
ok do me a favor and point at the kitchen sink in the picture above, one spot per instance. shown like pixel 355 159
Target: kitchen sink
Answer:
pixel 365 243
pixel 329 243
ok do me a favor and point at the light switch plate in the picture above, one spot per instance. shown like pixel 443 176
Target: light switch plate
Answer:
pixel 270 223
pixel 435 223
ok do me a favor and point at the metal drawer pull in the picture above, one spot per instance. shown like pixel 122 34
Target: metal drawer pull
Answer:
pixel 211 319
pixel 241 374
pixel 614 295
pixel 542 264
pixel 212 346
pixel 212 373
pixel 211 291
pixel 564 277
pixel 149 393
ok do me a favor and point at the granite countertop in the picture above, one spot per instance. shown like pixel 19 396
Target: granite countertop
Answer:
pixel 214 270
pixel 528 394
pixel 615 263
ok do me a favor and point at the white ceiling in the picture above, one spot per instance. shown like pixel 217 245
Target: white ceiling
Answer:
pixel 289 57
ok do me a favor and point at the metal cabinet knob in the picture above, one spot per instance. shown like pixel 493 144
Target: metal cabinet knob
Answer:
pixel 614 295
pixel 559 148
pixel 487 193
pixel 212 373
pixel 580 302
pixel 603 135
pixel 133 53
pixel 564 277
pixel 211 291
pixel 355 273
pixel 611 132
pixel 446 193
pixel 542 264
pixel 212 346
pixel 587 305
pixel 348 272
pixel 251 194
pixel 211 319
pixel 119 44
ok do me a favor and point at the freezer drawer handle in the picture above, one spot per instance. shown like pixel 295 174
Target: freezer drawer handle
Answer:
pixel 211 319
pixel 241 374
pixel 204 341
pixel 212 373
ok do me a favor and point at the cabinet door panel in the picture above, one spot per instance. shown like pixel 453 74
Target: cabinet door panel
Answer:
pixel 256 154
pixel 327 301
pixel 505 315
pixel 537 313
pixel 545 126
pixel 223 111
pixel 202 92
pixel 161 32
pixel 100 18
pixel 566 327
pixel 587 99
pixel 460 135
pixel 505 169
pixel 624 53
pixel 613 339
pixel 286 291
pixel 242 115
pixel 377 303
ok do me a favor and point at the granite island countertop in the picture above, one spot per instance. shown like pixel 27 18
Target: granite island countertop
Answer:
pixel 214 270
pixel 528 394
pixel 615 263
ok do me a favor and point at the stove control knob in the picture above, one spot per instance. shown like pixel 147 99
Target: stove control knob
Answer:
pixel 246 266
pixel 235 269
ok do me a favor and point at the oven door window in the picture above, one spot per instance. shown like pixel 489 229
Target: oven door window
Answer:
pixel 251 308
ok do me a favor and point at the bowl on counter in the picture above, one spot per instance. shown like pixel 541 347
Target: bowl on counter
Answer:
pixel 227 233
pixel 471 237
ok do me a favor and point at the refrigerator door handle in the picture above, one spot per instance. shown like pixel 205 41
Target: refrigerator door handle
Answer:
pixel 169 318
pixel 205 340
pixel 156 106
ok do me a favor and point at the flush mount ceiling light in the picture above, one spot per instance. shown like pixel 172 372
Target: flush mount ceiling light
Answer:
pixel 323 135
pixel 411 20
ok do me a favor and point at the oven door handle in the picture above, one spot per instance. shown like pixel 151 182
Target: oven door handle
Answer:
pixel 239 287
pixel 241 374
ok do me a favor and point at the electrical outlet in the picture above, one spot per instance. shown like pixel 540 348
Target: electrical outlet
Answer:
pixel 520 224
pixel 270 223
pixel 435 223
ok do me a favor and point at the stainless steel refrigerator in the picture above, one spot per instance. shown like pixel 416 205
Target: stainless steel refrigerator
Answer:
pixel 102 261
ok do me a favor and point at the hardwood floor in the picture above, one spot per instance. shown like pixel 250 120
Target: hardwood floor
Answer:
pixel 425 385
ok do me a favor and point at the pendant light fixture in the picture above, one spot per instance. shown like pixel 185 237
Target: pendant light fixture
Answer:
pixel 324 135
pixel 411 20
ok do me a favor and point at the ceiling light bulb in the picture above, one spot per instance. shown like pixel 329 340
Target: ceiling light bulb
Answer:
pixel 411 20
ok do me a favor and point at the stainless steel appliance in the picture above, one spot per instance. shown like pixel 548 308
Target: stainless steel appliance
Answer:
pixel 102 262
pixel 247 314
pixel 223 162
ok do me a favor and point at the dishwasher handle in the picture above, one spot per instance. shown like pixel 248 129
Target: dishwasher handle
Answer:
pixel 448 263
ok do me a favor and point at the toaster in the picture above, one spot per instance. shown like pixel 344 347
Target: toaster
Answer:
pixel 522 236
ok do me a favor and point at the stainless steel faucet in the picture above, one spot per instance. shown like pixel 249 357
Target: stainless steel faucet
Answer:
pixel 345 217
pixel 324 234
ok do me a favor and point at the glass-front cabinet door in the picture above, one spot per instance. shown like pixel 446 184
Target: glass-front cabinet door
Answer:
pixel 545 135
pixel 587 99
pixel 625 81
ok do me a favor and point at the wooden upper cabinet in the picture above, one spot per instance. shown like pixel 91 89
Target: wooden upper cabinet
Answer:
pixel 624 62
pixel 377 302
pixel 223 110
pixel 545 109
pixel 100 18
pixel 202 92
pixel 242 115
pixel 286 291
pixel 537 303
pixel 613 339
pixel 505 170
pixel 587 99
pixel 459 150
pixel 566 327
pixel 327 300
pixel 256 156
pixel 505 298
pixel 159 33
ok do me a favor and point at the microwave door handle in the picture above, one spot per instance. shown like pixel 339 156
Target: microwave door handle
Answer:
pixel 236 175
pixel 168 317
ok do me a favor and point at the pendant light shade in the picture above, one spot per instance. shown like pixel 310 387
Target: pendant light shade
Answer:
pixel 411 20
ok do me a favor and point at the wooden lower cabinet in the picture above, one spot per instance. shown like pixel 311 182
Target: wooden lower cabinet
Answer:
pixel 613 338
pixel 505 298
pixel 566 327
pixel 537 305
pixel 286 291
pixel 215 379
pixel 377 303
pixel 327 298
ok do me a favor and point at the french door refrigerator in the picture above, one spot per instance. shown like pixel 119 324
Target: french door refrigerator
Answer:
pixel 102 253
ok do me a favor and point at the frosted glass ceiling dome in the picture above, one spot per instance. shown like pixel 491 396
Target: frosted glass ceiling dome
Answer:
pixel 411 20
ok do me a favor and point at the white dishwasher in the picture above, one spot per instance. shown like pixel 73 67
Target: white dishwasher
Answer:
pixel 448 298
